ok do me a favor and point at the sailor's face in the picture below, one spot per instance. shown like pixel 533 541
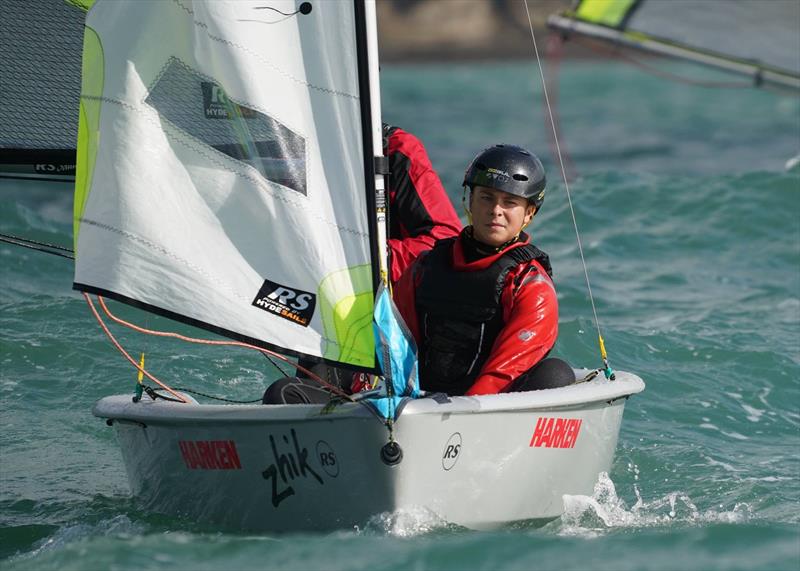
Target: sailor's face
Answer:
pixel 498 216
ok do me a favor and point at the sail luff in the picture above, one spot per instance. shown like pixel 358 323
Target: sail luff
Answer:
pixel 369 92
pixel 382 199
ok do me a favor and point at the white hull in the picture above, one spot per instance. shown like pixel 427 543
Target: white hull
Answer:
pixel 478 462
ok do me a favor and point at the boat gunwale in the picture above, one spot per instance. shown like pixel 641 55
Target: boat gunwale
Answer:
pixel 573 397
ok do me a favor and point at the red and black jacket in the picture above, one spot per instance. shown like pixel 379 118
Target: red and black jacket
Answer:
pixel 420 212
pixel 479 325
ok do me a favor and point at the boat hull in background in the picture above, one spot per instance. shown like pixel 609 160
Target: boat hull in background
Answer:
pixel 478 462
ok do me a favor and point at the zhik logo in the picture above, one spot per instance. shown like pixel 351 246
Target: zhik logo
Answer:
pixel 292 304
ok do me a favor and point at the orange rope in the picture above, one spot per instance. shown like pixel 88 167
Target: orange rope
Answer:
pixel 334 389
pixel 125 353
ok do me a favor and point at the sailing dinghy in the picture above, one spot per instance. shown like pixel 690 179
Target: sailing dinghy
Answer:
pixel 229 177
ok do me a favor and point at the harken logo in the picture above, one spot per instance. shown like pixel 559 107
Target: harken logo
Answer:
pixel 210 454
pixel 292 304
pixel 556 432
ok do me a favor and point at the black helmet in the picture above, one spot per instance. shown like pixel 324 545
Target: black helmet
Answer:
pixel 508 168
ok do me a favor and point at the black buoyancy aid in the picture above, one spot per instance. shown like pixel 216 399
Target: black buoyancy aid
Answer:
pixel 460 315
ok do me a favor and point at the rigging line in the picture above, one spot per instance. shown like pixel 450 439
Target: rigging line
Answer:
pixel 554 51
pixel 193 392
pixel 622 53
pixel 38 246
pixel 274 364
pixel 334 389
pixel 28 240
pixel 569 196
pixel 305 9
pixel 125 353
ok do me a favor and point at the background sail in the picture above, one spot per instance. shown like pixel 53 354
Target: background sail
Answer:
pixel 754 37
pixel 40 75
pixel 221 172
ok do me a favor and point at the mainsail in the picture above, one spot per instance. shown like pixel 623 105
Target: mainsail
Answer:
pixel 752 37
pixel 225 173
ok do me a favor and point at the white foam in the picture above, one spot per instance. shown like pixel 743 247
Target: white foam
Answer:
pixel 770 479
pixel 753 414
pixel 604 510
pixel 409 522
pixel 728 467
pixel 735 435
pixel 762 396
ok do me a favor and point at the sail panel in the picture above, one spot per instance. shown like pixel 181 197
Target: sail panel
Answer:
pixel 228 186
pixel 746 36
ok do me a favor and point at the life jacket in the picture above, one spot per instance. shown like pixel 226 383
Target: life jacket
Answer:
pixel 460 315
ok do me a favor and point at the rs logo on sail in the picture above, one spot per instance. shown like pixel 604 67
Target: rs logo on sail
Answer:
pixel 288 466
pixel 292 304
pixel 556 432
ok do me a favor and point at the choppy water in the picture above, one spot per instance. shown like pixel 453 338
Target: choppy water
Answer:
pixel 691 228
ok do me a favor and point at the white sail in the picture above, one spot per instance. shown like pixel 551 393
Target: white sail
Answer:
pixel 222 176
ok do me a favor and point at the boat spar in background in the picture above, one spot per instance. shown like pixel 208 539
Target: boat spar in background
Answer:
pixel 750 37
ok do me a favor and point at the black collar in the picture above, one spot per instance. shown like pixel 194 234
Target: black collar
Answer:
pixel 475 250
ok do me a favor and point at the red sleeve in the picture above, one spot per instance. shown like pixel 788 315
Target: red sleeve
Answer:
pixel 530 331
pixel 420 212
pixel 403 295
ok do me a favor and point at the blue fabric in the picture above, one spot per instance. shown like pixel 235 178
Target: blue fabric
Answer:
pixel 397 356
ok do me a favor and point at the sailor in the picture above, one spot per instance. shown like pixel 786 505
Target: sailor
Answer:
pixel 420 214
pixel 482 306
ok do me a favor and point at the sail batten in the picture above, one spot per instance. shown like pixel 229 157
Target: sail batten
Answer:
pixel 222 177
pixel 749 37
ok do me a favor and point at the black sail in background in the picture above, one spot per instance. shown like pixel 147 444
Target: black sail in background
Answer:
pixel 40 74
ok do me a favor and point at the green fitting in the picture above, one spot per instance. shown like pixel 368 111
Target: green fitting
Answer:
pixel 138 393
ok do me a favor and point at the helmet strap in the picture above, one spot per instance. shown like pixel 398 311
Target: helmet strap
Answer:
pixel 529 221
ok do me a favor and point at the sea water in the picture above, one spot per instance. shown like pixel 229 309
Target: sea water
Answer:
pixel 690 226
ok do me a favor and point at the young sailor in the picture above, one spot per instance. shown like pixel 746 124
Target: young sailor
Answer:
pixel 482 306
pixel 420 214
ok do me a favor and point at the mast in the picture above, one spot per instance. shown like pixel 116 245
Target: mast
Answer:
pixel 375 166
